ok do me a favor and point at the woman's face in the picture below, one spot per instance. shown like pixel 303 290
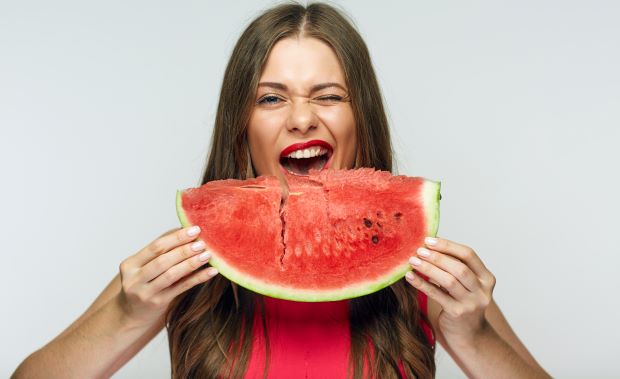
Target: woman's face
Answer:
pixel 302 117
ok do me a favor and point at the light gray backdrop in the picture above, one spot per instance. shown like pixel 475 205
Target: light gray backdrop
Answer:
pixel 106 109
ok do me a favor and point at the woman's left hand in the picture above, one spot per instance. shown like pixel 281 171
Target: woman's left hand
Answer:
pixel 466 287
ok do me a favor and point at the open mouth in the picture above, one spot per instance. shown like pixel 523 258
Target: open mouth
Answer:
pixel 300 162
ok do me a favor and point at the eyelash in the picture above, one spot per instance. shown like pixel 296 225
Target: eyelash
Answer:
pixel 327 97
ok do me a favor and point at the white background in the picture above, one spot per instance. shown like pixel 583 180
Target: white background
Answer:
pixel 106 109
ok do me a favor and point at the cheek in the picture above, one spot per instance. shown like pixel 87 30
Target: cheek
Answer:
pixel 342 125
pixel 340 118
pixel 263 130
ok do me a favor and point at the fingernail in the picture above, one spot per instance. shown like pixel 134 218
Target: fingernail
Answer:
pixel 415 261
pixel 430 241
pixel 409 275
pixel 197 246
pixel 193 231
pixel 204 256
pixel 423 252
pixel 212 271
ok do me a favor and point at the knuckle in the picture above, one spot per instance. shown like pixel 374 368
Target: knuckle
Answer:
pixel 470 308
pixel 169 276
pixel 127 289
pixel 159 266
pixel 194 264
pixel 469 252
pixel 142 297
pixel 156 246
pixel 436 259
pixel 123 267
pixel 187 252
pixel 458 311
pixel 156 302
pixel 430 289
pixel 180 236
pixel 461 271
pixel 451 283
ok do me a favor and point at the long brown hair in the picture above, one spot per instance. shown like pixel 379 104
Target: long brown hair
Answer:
pixel 210 326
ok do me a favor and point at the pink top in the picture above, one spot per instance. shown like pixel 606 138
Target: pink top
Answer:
pixel 307 340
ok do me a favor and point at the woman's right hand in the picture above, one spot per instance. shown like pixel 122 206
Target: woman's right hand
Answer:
pixel 159 272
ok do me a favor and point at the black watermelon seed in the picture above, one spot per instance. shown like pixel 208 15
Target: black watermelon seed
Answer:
pixel 397 215
pixel 379 225
pixel 375 239
pixel 367 222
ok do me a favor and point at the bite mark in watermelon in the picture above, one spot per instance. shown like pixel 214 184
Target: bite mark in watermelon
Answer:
pixel 339 234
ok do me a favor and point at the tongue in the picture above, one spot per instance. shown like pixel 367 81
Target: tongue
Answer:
pixel 302 166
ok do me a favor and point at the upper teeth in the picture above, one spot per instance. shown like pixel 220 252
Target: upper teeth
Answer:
pixel 308 153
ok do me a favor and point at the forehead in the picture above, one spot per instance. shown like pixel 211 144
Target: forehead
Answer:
pixel 302 62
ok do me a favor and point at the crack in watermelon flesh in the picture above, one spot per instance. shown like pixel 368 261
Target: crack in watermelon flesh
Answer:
pixel 337 234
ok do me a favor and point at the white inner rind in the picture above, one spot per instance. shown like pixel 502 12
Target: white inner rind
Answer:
pixel 430 194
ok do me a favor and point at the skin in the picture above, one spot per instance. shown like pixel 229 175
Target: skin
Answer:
pixel 288 110
pixel 129 312
pixel 126 315
pixel 468 323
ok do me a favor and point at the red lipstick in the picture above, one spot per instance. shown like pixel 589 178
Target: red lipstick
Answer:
pixel 305 145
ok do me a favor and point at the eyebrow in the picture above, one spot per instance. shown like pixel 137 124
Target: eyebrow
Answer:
pixel 314 88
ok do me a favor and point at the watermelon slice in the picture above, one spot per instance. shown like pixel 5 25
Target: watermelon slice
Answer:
pixel 339 234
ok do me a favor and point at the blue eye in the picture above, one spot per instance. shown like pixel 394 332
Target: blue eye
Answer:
pixel 269 100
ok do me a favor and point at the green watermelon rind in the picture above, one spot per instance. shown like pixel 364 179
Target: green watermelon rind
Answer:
pixel 431 194
pixel 180 212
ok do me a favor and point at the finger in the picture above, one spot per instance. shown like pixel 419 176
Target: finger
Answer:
pixel 445 279
pixel 177 273
pixel 164 244
pixel 462 252
pixel 452 266
pixel 435 283
pixel 444 299
pixel 188 282
pixel 167 261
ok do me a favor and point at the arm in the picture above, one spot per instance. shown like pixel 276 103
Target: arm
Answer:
pixel 113 289
pixel 101 341
pixel 499 323
pixel 497 352
pixel 126 315
pixel 467 321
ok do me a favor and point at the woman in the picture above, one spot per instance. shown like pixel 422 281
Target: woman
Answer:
pixel 296 74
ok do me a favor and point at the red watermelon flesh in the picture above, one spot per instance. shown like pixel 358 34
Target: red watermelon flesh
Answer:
pixel 339 234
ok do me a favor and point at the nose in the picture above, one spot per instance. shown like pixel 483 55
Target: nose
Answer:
pixel 302 117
